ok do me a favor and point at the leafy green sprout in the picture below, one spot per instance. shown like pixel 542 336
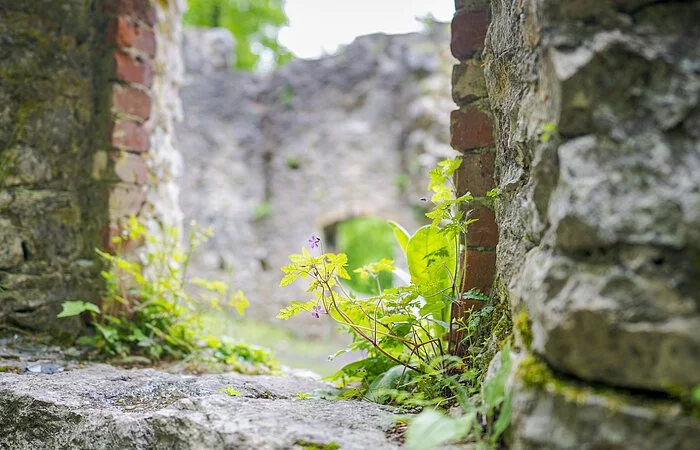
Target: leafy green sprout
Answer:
pixel 293 163
pixel 406 325
pixel 549 131
pixel 152 307
pixel 262 211
pixel 230 391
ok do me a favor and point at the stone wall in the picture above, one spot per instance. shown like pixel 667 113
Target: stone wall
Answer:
pixel 595 106
pixel 272 159
pixel 48 229
pixel 86 90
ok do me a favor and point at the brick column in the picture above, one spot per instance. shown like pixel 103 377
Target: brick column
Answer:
pixel 471 133
pixel 131 49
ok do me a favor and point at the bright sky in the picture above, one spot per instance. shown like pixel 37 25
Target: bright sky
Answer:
pixel 318 26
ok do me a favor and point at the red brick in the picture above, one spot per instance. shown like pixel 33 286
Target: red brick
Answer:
pixel 481 268
pixel 130 135
pixel 469 32
pixel 125 34
pixel 125 200
pixel 130 101
pixel 483 232
pixel 475 175
pixel 130 168
pixel 470 129
pixel 142 10
pixel 132 70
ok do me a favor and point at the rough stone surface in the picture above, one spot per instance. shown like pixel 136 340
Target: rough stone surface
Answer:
pixel 100 407
pixel 567 415
pixel 164 156
pixel 60 182
pixel 313 143
pixel 48 225
pixel 599 243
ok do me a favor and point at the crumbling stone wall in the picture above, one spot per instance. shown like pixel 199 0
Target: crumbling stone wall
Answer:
pixel 48 228
pixel 86 90
pixel 595 109
pixel 272 159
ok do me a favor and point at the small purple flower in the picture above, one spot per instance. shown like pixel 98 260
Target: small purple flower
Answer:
pixel 314 241
pixel 317 310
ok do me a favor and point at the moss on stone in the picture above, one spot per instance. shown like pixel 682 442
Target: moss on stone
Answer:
pixel 536 374
pixel 524 327
pixel 308 445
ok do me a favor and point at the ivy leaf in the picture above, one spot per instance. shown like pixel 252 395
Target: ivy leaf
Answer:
pixel 77 307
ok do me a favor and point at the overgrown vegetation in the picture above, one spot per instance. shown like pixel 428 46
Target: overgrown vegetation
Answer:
pixel 255 25
pixel 407 332
pixel 151 307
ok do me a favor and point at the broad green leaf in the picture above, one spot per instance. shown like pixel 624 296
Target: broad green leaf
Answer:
pixel 401 235
pixel 389 380
pixel 431 429
pixel 503 418
pixel 75 308
pixel 431 261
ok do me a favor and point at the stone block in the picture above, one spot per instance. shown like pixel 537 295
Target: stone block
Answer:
pixel 470 129
pixel 468 82
pixel 130 168
pixel 130 135
pixel 132 70
pixel 469 28
pixel 550 412
pixel 28 166
pixel 10 245
pixel 624 320
pixel 131 102
pixel 639 191
pixel 124 33
pixel 475 175
pixel 125 200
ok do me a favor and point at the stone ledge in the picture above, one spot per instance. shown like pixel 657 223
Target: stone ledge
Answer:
pixel 105 407
pixel 550 412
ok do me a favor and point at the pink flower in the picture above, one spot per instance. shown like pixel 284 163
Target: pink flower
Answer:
pixel 314 241
pixel 317 310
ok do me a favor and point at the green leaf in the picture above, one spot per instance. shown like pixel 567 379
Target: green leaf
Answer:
pixel 76 307
pixel 389 380
pixel 400 234
pixel 431 429
pixel 503 418
pixel 431 261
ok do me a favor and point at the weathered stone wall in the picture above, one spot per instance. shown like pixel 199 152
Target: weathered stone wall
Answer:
pixel 48 228
pixel 87 88
pixel 599 219
pixel 272 159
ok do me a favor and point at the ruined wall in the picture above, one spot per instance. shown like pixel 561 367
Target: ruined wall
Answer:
pixel 47 113
pixel 596 113
pixel 272 159
pixel 86 90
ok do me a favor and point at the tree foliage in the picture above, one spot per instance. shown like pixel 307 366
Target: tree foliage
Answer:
pixel 255 25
